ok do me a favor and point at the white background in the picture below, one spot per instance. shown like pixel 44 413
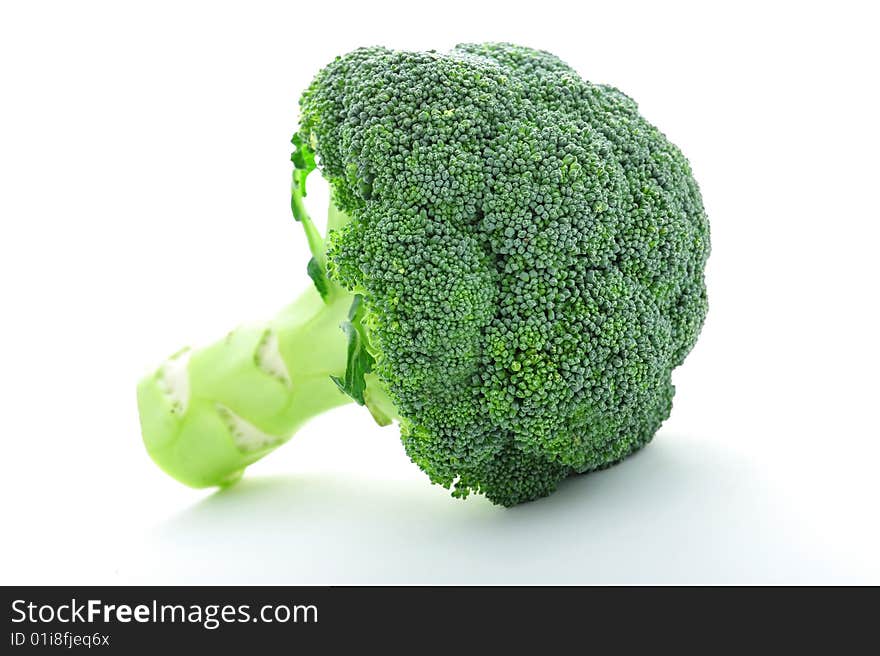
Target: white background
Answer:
pixel 144 205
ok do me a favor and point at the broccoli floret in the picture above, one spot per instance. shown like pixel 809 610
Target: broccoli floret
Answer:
pixel 515 257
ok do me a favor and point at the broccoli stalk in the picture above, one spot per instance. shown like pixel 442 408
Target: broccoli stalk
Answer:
pixel 206 414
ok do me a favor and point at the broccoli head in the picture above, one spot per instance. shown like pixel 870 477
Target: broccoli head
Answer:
pixel 512 269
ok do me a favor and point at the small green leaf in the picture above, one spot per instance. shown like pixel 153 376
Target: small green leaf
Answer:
pixel 303 158
pixel 359 361
pixel 319 277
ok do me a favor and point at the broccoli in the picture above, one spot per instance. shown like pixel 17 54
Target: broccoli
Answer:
pixel 512 268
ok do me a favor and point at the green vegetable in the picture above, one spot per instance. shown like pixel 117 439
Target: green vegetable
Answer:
pixel 512 270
